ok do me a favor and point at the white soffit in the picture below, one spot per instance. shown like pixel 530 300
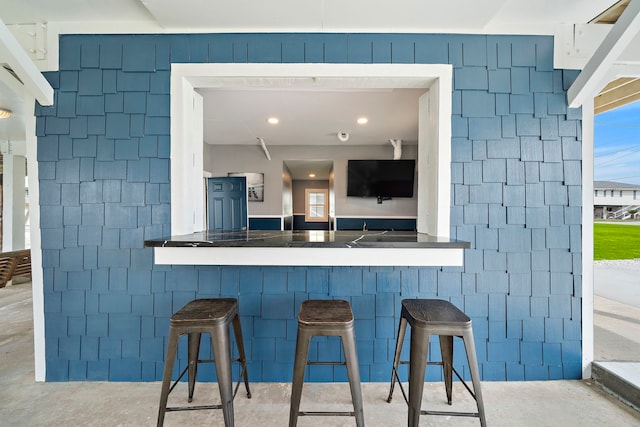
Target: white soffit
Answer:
pixel 382 16
pixel 327 15
pixel 401 16
pixel 29 11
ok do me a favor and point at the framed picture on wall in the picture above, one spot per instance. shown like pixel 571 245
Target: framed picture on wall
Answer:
pixel 255 185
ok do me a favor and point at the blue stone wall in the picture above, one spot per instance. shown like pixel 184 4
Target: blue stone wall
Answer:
pixel 103 157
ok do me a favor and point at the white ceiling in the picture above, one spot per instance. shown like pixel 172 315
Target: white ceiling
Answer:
pixel 300 169
pixel 528 16
pixel 310 117
pixel 29 11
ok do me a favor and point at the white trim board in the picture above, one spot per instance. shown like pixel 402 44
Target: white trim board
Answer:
pixel 388 257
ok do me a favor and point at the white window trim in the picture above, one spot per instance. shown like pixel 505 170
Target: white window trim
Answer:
pixel 434 160
pixel 307 205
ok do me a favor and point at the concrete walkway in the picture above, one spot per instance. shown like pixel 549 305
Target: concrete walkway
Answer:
pixel 616 331
pixel 26 403
pixel 618 281
pixel 616 320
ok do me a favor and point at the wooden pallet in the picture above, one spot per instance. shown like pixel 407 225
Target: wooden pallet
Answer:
pixel 14 264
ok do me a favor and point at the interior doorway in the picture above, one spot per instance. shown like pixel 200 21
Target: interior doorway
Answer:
pixel 312 193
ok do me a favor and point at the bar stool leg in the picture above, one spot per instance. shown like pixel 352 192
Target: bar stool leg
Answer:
pixel 299 366
pixel 475 374
pixel 402 329
pixel 193 352
pixel 446 351
pixel 353 372
pixel 222 357
pixel 172 348
pixel 417 369
pixel 237 331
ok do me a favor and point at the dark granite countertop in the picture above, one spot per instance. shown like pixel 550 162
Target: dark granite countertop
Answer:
pixel 308 239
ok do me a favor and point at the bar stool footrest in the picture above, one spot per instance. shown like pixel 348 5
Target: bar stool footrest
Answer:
pixel 449 413
pixel 327 414
pixel 406 398
pixel 194 408
pixel 325 363
pixel 191 408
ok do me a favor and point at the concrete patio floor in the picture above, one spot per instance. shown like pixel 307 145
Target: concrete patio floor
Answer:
pixel 23 402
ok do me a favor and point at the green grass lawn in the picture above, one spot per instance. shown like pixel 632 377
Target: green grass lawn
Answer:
pixel 616 241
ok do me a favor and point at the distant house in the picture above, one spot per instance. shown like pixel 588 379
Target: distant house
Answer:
pixel 614 200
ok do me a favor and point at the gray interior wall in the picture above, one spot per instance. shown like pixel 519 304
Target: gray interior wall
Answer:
pixel 222 159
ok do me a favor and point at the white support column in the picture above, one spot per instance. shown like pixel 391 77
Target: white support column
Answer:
pixel 37 276
pixel 587 237
pixel 13 219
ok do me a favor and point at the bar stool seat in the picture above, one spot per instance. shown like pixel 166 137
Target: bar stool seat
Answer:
pixel 326 318
pixel 211 316
pixel 434 317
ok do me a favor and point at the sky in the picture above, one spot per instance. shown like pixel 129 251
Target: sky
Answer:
pixel 617 145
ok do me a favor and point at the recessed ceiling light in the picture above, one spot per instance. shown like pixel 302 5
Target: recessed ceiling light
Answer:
pixel 4 113
pixel 273 120
pixel 362 120
pixel 312 175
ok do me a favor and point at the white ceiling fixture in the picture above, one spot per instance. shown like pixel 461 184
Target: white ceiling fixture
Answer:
pixel 4 113
pixel 397 148
pixel 264 148
pixel 343 136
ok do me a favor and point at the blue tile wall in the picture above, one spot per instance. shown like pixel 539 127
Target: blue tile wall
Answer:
pixel 103 153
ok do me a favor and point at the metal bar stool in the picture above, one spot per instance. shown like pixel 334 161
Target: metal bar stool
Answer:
pixel 434 317
pixel 325 318
pixel 211 316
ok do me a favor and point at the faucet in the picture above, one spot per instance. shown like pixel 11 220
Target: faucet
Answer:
pixel 364 226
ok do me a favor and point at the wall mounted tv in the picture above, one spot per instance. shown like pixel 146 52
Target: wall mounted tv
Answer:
pixel 383 179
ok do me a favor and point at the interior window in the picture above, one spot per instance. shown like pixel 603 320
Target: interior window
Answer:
pixel 316 208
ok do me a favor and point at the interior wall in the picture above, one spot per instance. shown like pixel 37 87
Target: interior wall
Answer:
pixel 221 159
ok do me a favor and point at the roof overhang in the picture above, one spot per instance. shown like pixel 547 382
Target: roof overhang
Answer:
pixel 604 63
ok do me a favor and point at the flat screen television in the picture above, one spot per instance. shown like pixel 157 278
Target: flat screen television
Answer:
pixel 380 178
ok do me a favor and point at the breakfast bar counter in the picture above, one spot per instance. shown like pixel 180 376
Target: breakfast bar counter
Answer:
pixel 308 247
